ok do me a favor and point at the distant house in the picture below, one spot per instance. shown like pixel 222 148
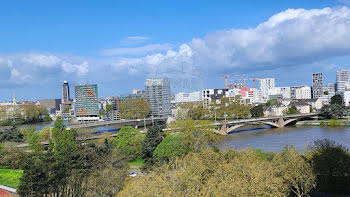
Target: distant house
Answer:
pixel 316 104
pixel 276 109
pixel 302 107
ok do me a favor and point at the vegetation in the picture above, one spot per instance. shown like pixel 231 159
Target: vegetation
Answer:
pixel 10 177
pixel 10 155
pixel 211 173
pixel 337 100
pixel 153 138
pixel 11 135
pixel 129 143
pixel 333 111
pixel 270 102
pixel 171 147
pixel 134 108
pixel 334 123
pixel 66 109
pixel 257 111
pixel 292 110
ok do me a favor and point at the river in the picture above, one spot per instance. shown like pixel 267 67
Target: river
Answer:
pixel 274 139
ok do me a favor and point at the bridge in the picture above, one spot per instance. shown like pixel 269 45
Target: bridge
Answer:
pixel 133 122
pixel 227 127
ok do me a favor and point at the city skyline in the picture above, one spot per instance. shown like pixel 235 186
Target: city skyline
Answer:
pixel 119 53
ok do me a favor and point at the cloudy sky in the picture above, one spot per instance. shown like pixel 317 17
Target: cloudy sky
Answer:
pixel 117 44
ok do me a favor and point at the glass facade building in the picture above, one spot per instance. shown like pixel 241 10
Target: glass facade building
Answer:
pixel 158 96
pixel 86 101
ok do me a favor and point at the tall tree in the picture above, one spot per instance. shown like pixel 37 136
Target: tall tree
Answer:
pixel 134 108
pixel 337 99
pixel 129 143
pixel 153 138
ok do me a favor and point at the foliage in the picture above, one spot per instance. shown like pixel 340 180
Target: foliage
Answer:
pixel 171 147
pixel 109 108
pixel 129 143
pixel 197 112
pixel 44 133
pixel 33 138
pixel 11 135
pixel 69 169
pixel 66 109
pixel 153 138
pixel 329 158
pixel 334 123
pixel 11 155
pixel 270 102
pixel 333 111
pixel 224 173
pixel 292 110
pixel 337 99
pixel 197 134
pixel 257 111
pixel 296 171
pixel 47 118
pixel 133 108
pixel 10 177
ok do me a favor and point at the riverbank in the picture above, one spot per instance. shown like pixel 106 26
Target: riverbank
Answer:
pixel 333 122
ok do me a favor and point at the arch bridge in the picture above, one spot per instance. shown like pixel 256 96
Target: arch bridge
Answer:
pixel 227 127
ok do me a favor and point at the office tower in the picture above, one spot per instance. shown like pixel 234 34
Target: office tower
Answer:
pixel 266 84
pixel 342 80
pixel 317 85
pixel 303 93
pixel 331 89
pixel 86 102
pixel 65 92
pixel 158 96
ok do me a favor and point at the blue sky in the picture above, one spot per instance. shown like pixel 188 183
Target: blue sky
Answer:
pixel 117 44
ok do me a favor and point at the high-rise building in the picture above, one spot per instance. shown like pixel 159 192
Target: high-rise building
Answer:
pixel 331 89
pixel 303 93
pixel 86 102
pixel 183 97
pixel 293 91
pixel 317 85
pixel 158 96
pixel 342 80
pixel 266 84
pixel 65 92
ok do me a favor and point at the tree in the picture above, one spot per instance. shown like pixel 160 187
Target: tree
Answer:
pixel 11 155
pixel 109 108
pixel 171 147
pixel 337 99
pixel 257 111
pixel 11 135
pixel 134 108
pixel 66 109
pixel 329 158
pixel 33 138
pixel 153 138
pixel 296 171
pixel 292 110
pixel 129 143
pixel 270 102
pixel 333 111
pixel 198 134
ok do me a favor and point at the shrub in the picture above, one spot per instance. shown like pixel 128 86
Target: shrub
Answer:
pixel 171 147
pixel 334 123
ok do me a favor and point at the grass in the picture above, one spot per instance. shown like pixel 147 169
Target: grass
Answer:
pixel 10 177
pixel 136 164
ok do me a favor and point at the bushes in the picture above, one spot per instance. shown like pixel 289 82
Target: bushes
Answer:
pixel 171 147
pixel 129 143
pixel 334 123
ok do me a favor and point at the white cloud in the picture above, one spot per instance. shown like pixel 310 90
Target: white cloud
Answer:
pixel 41 60
pixel 134 40
pixel 18 77
pixel 136 50
pixel 80 69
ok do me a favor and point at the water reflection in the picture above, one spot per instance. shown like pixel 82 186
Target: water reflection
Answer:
pixel 274 139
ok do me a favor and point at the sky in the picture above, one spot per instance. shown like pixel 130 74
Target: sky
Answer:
pixel 118 44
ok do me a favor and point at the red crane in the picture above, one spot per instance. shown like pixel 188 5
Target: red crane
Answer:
pixel 225 76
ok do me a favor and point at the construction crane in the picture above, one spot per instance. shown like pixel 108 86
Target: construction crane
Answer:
pixel 251 79
pixel 225 76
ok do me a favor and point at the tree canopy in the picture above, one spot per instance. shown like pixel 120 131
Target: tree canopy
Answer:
pixel 129 142
pixel 134 108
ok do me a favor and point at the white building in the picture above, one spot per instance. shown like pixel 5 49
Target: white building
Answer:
pixel 265 85
pixel 346 97
pixel 303 93
pixel 183 97
pixel 284 92
pixel 342 80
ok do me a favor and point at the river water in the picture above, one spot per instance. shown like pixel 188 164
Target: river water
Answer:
pixel 274 139
pixel 266 138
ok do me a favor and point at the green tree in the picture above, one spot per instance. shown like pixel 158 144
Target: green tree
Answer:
pixel 198 134
pixel 134 108
pixel 292 110
pixel 270 102
pixel 11 135
pixel 153 138
pixel 171 147
pixel 129 143
pixel 333 111
pixel 257 111
pixel 66 109
pixel 11 155
pixel 337 99
pixel 329 158
pixel 109 108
